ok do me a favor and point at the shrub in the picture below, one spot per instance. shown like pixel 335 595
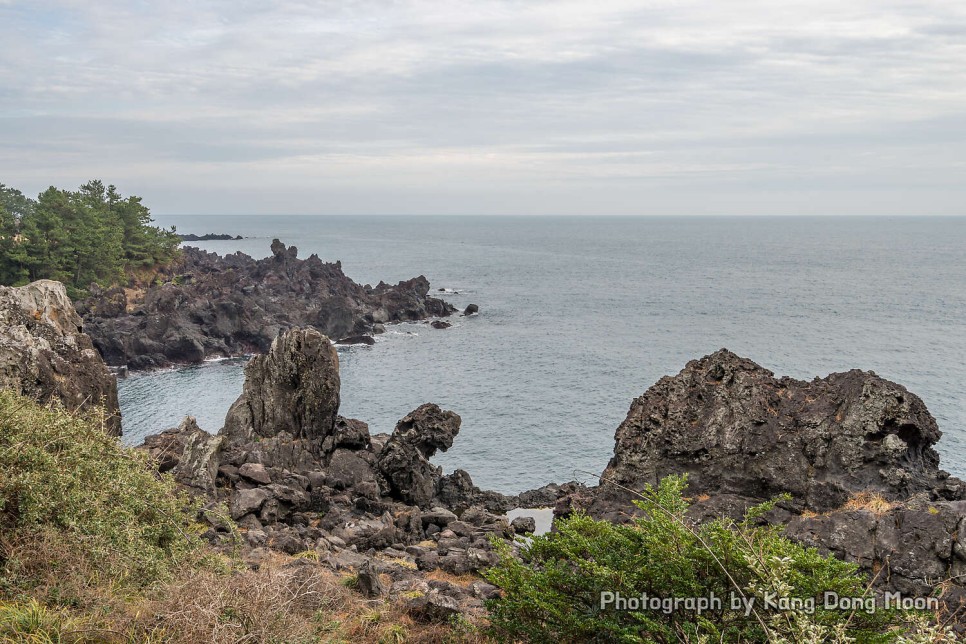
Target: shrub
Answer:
pixel 74 500
pixel 553 592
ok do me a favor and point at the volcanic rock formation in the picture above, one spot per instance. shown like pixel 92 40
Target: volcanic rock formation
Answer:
pixel 293 388
pixel 45 354
pixel 233 305
pixel 295 476
pixel 854 451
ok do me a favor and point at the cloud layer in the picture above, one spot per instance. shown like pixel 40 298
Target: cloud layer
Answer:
pixel 516 107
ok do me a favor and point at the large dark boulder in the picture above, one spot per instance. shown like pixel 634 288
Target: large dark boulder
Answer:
pixel 854 451
pixel 45 354
pixel 404 461
pixel 735 428
pixel 294 388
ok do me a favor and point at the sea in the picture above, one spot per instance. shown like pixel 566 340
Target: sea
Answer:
pixel 580 315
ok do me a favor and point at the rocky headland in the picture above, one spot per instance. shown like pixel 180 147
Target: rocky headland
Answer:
pixel 214 306
pixel 209 237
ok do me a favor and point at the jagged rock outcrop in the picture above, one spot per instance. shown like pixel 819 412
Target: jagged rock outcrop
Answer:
pixel 167 447
pixel 45 354
pixel 404 461
pixel 296 476
pixel 209 237
pixel 293 388
pixel 736 429
pixel 233 305
pixel 855 452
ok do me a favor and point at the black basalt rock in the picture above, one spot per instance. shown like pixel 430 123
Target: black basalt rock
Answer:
pixel 404 461
pixel 211 305
pixel 735 428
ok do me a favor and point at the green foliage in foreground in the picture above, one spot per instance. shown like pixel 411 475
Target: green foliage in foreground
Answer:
pixel 554 593
pixel 70 489
pixel 92 235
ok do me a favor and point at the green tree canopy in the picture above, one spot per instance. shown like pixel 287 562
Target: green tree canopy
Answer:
pixel 89 236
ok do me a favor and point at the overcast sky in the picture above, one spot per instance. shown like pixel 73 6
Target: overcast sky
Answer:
pixel 526 107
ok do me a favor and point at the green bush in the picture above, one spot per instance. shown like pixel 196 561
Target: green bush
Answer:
pixel 74 501
pixel 553 592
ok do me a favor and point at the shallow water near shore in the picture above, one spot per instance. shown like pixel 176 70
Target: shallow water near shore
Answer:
pixel 580 315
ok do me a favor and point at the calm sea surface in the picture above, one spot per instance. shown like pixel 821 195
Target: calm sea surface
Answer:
pixel 580 315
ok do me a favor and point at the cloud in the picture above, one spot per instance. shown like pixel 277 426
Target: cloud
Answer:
pixel 530 107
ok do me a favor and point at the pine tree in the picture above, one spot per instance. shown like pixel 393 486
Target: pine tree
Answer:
pixel 91 236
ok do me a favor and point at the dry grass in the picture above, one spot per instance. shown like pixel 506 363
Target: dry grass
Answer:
pixel 285 600
pixel 288 599
pixel 282 597
pixel 404 563
pixel 457 580
pixel 60 573
pixel 870 501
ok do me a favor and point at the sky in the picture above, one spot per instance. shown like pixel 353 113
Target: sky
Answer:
pixel 520 107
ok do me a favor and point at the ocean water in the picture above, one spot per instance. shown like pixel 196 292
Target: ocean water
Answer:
pixel 580 315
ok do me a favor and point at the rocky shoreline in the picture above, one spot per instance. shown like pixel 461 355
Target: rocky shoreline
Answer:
pixel 210 237
pixel 853 450
pixel 295 477
pixel 288 474
pixel 213 306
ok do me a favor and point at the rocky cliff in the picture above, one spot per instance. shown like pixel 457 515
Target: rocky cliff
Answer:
pixel 232 305
pixel 854 451
pixel 45 354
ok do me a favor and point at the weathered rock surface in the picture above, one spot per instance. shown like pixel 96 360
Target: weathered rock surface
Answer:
pixel 45 354
pixel 293 388
pixel 404 461
pixel 914 548
pixel 736 429
pixel 524 525
pixel 233 305
pixel 367 340
pixel 853 450
pixel 167 447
